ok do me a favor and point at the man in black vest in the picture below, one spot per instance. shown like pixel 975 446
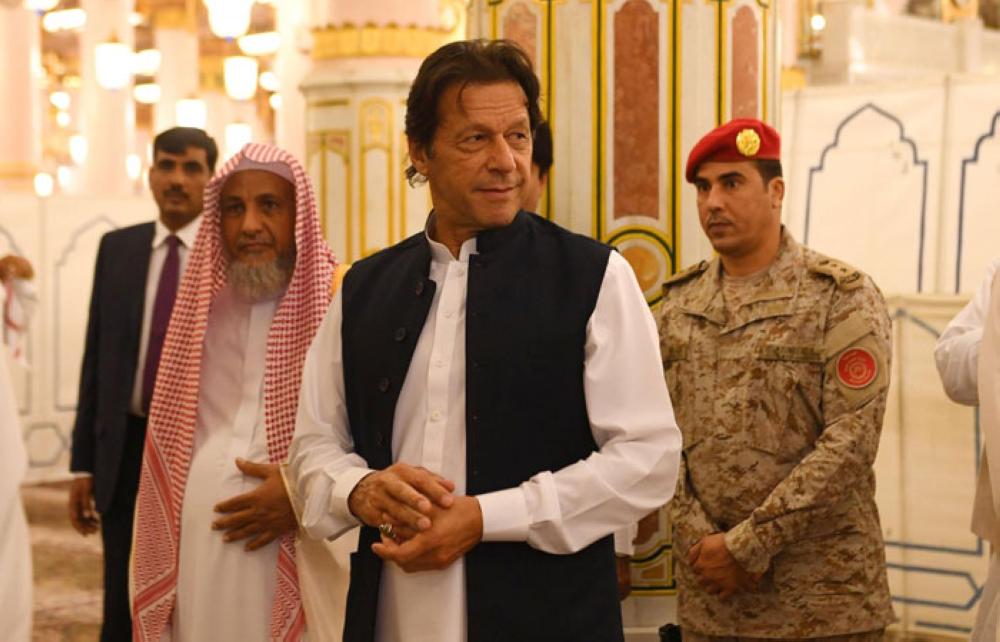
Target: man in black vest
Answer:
pixel 485 397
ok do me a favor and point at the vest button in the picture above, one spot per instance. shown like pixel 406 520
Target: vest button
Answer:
pixel 379 439
pixel 418 289
pixel 383 384
pixel 400 334
pixel 475 418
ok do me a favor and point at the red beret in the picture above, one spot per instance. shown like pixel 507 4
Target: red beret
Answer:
pixel 738 140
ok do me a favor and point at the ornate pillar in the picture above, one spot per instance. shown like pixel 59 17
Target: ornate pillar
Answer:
pixel 20 66
pixel 108 114
pixel 365 55
pixel 629 86
pixel 176 37
pixel 291 65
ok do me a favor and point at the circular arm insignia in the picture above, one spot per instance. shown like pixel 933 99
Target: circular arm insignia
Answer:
pixel 856 368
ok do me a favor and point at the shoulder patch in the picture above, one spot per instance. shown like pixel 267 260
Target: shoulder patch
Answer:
pixel 846 276
pixel 686 274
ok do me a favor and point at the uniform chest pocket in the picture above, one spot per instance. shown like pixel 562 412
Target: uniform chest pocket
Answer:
pixel 778 374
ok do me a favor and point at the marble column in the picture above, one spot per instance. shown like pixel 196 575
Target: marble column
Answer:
pixel 365 55
pixel 629 86
pixel 291 65
pixel 176 37
pixel 108 114
pixel 20 118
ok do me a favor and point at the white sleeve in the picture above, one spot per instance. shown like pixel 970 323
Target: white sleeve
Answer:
pixel 957 349
pixel 322 464
pixel 634 472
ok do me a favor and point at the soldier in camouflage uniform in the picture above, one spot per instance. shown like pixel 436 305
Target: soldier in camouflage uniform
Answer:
pixel 777 360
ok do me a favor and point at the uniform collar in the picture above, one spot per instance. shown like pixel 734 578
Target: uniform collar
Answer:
pixel 773 296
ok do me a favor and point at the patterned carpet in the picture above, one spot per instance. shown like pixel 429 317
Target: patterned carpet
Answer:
pixel 67 570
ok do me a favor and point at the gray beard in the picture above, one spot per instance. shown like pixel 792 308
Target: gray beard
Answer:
pixel 255 283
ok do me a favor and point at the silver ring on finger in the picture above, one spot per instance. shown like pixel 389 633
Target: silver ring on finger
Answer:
pixel 388 530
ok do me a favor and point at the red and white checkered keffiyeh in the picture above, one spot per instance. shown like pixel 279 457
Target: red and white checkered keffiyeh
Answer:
pixel 174 409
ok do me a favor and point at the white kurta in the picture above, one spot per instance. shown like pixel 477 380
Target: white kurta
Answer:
pixel 225 593
pixel 558 512
pixel 15 543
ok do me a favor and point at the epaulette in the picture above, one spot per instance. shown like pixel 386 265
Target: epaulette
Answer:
pixel 846 276
pixel 686 274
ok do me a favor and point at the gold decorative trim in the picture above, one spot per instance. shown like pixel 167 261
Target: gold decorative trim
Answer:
pixel 176 18
pixel 375 122
pixel 331 102
pixel 211 73
pixel 349 41
pixel 338 142
pixel 17 170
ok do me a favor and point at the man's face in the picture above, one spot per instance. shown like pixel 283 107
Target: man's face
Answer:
pixel 533 189
pixel 737 211
pixel 478 162
pixel 178 184
pixel 258 217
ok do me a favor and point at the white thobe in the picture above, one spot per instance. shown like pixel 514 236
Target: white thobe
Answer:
pixel 225 593
pixel 559 512
pixel 957 350
pixel 15 543
pixel 958 362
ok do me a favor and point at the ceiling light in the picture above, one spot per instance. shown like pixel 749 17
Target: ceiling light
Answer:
pixel 191 112
pixel 60 100
pixel 260 44
pixel 229 18
pixel 113 63
pixel 78 148
pixel 240 77
pixel 148 93
pixel 44 184
pixel 41 6
pixel 146 62
pixel 269 81
pixel 64 20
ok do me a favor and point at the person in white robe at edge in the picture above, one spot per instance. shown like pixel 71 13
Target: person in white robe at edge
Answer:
pixel 252 297
pixel 967 354
pixel 18 303
pixel 486 398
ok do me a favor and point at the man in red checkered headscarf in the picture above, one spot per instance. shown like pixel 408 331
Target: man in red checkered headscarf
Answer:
pixel 255 290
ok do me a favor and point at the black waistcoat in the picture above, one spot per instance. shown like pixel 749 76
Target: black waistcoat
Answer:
pixel 531 290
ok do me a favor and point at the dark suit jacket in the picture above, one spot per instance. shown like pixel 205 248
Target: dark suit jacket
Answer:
pixel 109 359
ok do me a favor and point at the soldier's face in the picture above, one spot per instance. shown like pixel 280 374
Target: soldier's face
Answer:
pixel 738 212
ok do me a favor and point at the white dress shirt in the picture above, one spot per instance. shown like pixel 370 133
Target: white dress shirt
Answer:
pixel 560 512
pixel 157 257
pixel 957 349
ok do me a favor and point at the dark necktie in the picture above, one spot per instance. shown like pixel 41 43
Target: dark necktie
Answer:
pixel 166 291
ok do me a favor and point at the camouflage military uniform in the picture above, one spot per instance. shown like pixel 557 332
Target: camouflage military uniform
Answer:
pixel 780 402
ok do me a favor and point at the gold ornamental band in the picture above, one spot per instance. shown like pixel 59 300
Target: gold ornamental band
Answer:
pixel 348 41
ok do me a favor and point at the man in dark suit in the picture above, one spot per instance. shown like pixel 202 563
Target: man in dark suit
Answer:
pixel 135 281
